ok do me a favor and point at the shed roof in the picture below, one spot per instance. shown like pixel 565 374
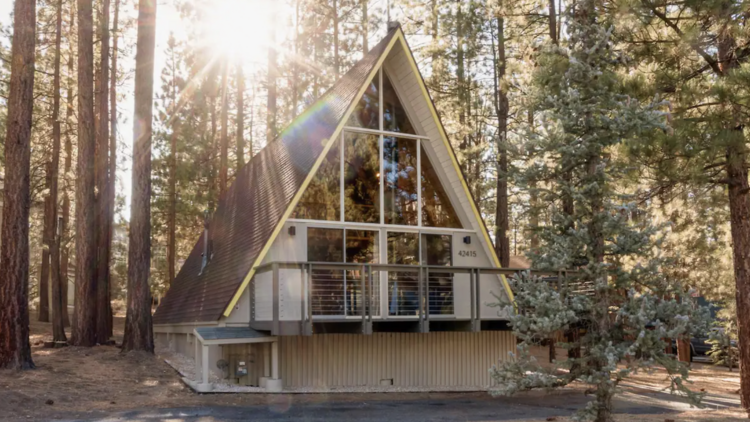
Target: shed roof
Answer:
pixel 229 333
pixel 254 204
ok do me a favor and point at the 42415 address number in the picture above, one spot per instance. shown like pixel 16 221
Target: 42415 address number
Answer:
pixel 470 254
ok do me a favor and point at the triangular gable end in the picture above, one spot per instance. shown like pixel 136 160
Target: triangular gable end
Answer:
pixel 401 66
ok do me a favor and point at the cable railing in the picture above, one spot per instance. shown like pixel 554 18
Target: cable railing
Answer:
pixel 352 291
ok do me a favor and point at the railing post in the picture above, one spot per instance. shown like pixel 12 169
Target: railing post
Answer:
pixel 275 299
pixel 308 324
pixel 427 297
pixel 477 299
pixel 475 324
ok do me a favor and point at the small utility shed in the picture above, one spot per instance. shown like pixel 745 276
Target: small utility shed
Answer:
pixel 348 252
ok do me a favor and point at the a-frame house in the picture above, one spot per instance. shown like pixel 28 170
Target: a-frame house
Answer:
pixel 349 251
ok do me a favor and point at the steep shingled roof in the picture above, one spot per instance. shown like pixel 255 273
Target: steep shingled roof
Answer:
pixel 255 203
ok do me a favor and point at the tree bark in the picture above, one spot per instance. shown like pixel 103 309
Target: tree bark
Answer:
pixel 335 24
pixel 172 211
pixel 15 350
pixel 502 242
pixel 112 153
pixel 65 252
pixel 365 29
pixel 58 324
pixel 224 155
pixel 85 270
pixel 43 314
pixel 138 326
pixel 552 21
pixel 739 210
pixel 241 117
pixel 271 86
pixel 103 312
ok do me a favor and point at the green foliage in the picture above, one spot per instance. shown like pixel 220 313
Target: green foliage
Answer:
pixel 587 118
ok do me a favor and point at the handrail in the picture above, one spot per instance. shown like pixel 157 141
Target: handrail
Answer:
pixel 369 300
pixel 405 268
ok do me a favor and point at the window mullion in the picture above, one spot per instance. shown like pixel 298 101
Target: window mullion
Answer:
pixel 419 183
pixel 341 177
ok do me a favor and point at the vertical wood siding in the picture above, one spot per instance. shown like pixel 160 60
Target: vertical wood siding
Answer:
pixel 451 359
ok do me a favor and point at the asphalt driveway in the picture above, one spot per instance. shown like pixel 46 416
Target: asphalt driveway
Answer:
pixel 395 407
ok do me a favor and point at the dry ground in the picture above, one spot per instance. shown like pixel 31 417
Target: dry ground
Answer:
pixel 86 383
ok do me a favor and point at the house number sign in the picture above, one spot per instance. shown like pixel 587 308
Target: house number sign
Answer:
pixel 468 254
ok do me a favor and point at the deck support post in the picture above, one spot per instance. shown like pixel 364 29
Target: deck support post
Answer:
pixel 274 384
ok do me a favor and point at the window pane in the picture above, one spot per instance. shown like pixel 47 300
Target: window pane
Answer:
pixel 394 114
pixel 327 289
pixel 437 210
pixel 400 168
pixel 362 247
pixel 366 113
pixel 322 197
pixel 325 245
pixel 436 250
pixel 361 178
pixel 403 287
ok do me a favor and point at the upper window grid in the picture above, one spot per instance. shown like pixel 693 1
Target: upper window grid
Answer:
pixel 362 121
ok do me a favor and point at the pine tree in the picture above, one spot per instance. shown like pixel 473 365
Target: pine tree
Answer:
pixel 86 289
pixel 15 349
pixel 633 305
pixel 138 326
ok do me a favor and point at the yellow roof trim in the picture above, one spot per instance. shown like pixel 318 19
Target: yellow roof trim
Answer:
pixel 454 161
pixel 310 175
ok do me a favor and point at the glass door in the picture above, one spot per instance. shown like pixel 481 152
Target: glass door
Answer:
pixel 437 251
pixel 361 247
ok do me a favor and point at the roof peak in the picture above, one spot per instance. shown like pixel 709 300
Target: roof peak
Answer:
pixel 393 25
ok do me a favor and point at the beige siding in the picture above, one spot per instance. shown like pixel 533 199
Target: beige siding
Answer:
pixel 452 359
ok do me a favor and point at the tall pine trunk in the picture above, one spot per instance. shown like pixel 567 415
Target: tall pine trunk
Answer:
pixel 58 324
pixel 85 270
pixel 224 147
pixel 365 29
pixel 271 86
pixel 43 310
pixel 112 148
pixel 103 312
pixel 15 350
pixel 172 192
pixel 138 326
pixel 739 210
pixel 65 252
pixel 241 117
pixel 502 242
pixel 335 25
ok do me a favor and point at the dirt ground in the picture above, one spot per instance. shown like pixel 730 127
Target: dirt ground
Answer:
pixel 91 383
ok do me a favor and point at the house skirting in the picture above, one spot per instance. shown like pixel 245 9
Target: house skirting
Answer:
pixel 435 359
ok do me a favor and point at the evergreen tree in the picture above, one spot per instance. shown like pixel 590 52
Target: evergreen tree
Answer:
pixel 631 305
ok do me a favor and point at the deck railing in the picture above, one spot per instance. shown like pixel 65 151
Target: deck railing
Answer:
pixel 346 292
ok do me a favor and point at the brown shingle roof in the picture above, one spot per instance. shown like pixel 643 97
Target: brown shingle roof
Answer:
pixel 255 203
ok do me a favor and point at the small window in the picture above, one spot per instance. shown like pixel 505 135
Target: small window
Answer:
pixel 361 178
pixel 366 113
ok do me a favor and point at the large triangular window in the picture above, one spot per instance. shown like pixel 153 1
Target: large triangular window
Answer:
pixel 373 175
